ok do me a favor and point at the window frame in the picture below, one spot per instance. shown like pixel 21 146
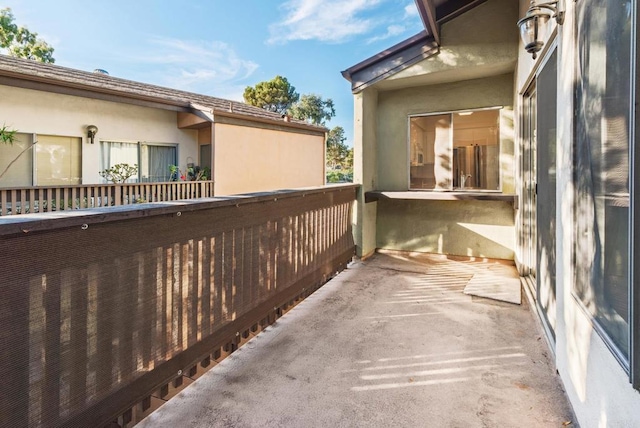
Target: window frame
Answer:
pixel 452 113
pixel 634 206
pixel 630 363
pixel 139 145
pixel 33 149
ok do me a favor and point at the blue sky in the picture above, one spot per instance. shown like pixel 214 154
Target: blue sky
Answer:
pixel 218 47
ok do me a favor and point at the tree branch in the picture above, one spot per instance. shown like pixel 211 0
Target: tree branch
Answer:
pixel 16 158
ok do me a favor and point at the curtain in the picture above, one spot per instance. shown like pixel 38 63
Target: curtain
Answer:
pixel 114 153
pixel 20 173
pixel 156 161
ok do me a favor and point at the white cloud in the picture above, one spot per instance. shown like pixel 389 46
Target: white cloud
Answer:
pixel 330 21
pixel 208 67
pixel 392 30
pixel 410 10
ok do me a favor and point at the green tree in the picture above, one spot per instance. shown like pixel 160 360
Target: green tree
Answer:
pixel 276 95
pixel 313 108
pixel 20 42
pixel 336 148
pixel 339 157
pixel 348 159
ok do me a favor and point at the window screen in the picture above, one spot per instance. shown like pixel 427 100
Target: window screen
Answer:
pixel 601 175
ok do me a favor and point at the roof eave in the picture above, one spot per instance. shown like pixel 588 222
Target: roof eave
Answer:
pixel 428 41
pixel 427 11
pixel 390 61
pixel 209 114
pixel 434 16
pixel 48 84
pixel 419 38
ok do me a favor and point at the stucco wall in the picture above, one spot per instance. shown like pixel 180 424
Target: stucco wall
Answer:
pixel 464 228
pixel 47 113
pixel 394 107
pixel 479 43
pixel 365 162
pixel 254 159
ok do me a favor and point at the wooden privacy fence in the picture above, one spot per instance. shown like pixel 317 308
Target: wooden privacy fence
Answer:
pixel 31 200
pixel 100 309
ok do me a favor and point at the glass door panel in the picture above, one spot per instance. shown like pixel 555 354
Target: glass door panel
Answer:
pixel 546 191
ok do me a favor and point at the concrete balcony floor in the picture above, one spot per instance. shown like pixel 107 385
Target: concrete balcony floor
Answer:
pixel 392 341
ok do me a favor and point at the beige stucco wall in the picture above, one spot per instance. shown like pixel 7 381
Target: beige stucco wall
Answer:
pixel 249 159
pixel 474 69
pixel 479 43
pixel 365 163
pixel 48 113
pixel 465 228
pixel 394 108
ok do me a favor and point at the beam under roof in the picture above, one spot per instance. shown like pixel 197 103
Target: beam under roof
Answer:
pixel 453 8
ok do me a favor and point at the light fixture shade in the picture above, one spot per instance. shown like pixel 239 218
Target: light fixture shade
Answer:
pixel 92 130
pixel 533 29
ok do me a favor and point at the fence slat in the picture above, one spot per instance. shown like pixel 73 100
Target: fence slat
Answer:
pixel 3 202
pixel 136 300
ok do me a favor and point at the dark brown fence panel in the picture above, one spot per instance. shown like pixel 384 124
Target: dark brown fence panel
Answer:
pixel 98 311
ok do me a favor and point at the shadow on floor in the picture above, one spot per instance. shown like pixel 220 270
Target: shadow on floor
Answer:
pixel 392 341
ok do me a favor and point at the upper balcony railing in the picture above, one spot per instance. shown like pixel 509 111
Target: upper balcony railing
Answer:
pixel 103 311
pixel 30 200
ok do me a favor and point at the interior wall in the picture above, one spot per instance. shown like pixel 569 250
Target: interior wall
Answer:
pixel 39 112
pixel 249 159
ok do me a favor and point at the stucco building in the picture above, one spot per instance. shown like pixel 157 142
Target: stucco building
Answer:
pixel 247 149
pixel 467 145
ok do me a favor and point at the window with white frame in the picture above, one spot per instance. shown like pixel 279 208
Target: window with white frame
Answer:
pixel 153 160
pixel 455 151
pixel 41 160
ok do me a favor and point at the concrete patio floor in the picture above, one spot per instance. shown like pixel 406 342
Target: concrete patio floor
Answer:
pixel 392 341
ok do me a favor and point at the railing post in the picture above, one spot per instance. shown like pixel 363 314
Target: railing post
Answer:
pixel 3 202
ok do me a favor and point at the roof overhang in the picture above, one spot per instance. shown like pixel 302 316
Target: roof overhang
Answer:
pixel 28 74
pixel 391 61
pixel 200 116
pixel 433 13
pixel 65 88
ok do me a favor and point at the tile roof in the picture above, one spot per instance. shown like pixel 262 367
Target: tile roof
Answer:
pixel 102 83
